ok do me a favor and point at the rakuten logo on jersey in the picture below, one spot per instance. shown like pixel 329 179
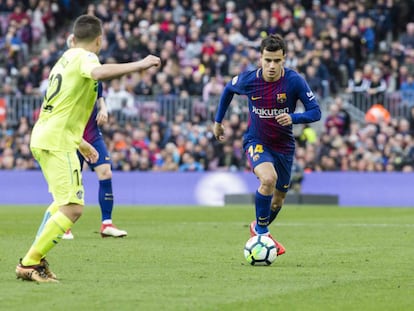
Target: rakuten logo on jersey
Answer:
pixel 269 113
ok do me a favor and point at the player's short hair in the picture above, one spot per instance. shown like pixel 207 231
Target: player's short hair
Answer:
pixel 272 43
pixel 87 28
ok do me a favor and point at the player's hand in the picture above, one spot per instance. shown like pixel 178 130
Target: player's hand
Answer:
pixel 218 131
pixel 102 116
pixel 150 61
pixel 88 151
pixel 284 119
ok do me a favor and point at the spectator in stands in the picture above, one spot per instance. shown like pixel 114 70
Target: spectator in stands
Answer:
pixel 170 158
pixel 356 46
pixel 36 71
pixel 407 90
pixel 335 120
pixel 119 101
pixel 333 72
pixel 307 136
pixel 212 88
pixel 122 53
pixel 195 86
pixel 343 113
pixel 26 34
pixel 50 13
pixel 411 120
pixel 7 159
pixel 291 59
pixel 144 86
pixel 311 29
pixel 189 164
pixel 193 48
pixel 18 15
pixel 25 81
pixel 314 81
pixel 376 88
pixel 407 38
pixel 7 6
pixel 227 160
pixel 167 164
pixel 389 66
pixel 323 76
pixel 16 49
pixel 358 87
pixel 368 35
pixel 8 89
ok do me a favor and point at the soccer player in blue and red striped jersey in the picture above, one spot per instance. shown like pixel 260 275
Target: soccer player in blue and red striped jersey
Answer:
pixel 273 92
pixel 102 168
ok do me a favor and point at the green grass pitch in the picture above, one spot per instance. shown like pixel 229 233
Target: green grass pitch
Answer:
pixel 191 258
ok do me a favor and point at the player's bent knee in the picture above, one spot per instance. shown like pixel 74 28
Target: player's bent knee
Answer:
pixel 104 172
pixel 268 181
pixel 72 211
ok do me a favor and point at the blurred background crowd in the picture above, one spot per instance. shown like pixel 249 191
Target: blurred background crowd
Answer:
pixel 355 55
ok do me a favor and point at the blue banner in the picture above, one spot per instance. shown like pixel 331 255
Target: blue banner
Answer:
pixel 209 188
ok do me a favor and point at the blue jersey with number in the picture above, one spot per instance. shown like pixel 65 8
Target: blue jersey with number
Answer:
pixel 92 131
pixel 268 99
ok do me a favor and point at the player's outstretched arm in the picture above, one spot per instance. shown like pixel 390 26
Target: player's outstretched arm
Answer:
pixel 111 71
pixel 225 100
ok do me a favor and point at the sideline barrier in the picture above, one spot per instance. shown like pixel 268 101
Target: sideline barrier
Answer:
pixel 391 189
pixel 211 188
pixel 291 198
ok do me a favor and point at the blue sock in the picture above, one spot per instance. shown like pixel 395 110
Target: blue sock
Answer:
pixel 106 198
pixel 262 203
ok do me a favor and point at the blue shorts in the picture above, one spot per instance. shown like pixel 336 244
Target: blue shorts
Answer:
pixel 257 153
pixel 104 157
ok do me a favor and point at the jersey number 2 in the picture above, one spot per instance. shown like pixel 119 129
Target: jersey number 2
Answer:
pixel 55 82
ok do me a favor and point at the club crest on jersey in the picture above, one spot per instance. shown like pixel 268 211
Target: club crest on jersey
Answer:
pixel 256 157
pixel 234 80
pixel 281 98
pixel 79 194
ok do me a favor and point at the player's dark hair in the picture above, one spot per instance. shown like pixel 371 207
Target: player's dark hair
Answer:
pixel 273 43
pixel 87 28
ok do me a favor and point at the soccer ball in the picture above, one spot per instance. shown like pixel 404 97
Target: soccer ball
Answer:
pixel 260 250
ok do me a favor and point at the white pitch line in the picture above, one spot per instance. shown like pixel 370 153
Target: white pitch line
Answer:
pixel 302 224
pixel 344 225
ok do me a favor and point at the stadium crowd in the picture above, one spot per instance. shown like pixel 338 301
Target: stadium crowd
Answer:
pixel 362 48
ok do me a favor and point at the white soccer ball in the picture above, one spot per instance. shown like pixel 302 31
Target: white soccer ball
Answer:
pixel 260 250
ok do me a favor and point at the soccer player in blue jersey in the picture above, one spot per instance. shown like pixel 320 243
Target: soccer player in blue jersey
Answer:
pixel 57 135
pixel 102 168
pixel 272 92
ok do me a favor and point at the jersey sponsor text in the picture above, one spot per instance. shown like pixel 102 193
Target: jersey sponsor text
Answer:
pixel 269 112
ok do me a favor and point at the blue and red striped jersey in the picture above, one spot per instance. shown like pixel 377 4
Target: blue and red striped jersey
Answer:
pixel 268 99
pixel 92 131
